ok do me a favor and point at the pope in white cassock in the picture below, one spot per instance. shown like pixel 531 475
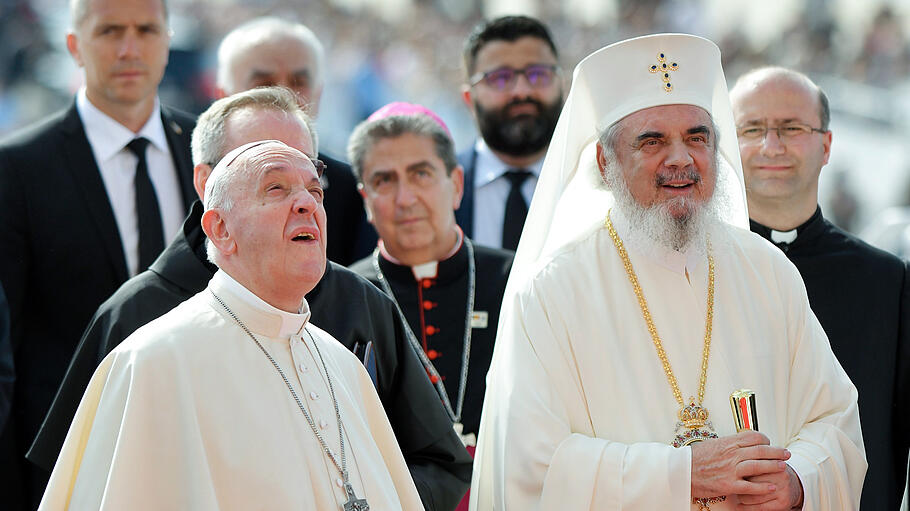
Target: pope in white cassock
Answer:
pixel 639 301
pixel 233 400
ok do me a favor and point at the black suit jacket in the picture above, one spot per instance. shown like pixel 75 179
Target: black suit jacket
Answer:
pixel 350 237
pixel 861 296
pixel 7 376
pixel 60 257
pixel 464 215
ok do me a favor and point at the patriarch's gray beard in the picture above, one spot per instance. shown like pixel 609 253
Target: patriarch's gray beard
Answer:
pixel 656 225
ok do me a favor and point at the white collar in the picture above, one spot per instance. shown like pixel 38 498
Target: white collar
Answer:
pixel 488 166
pixel 108 137
pixel 673 260
pixel 290 323
pixel 429 269
pixel 783 236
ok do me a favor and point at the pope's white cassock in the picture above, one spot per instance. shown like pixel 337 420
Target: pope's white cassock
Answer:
pixel 188 413
pixel 579 414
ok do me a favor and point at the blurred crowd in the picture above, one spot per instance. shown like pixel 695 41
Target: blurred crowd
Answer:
pixel 411 50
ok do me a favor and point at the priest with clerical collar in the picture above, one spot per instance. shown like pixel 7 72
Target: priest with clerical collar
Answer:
pixel 640 308
pixel 860 294
pixel 233 400
pixel 448 288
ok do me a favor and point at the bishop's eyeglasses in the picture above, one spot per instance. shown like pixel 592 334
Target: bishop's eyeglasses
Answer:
pixel 504 78
pixel 756 133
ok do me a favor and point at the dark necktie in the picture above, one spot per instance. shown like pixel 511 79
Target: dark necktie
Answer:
pixel 148 215
pixel 516 209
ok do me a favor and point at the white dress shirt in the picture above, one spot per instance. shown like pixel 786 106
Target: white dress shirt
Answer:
pixel 491 189
pixel 108 139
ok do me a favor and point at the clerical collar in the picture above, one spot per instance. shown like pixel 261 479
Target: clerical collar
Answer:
pixel 673 260
pixel 287 323
pixel 108 137
pixel 783 236
pixel 488 166
pixel 784 239
pixel 428 270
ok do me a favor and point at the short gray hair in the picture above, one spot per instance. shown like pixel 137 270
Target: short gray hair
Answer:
pixel 209 135
pixel 258 30
pixel 368 133
pixel 79 11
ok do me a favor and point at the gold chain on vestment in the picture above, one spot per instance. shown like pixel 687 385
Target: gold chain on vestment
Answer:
pixel 643 304
pixel 693 417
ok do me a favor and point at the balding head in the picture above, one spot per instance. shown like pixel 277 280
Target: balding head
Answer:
pixel 781 76
pixel 258 114
pixel 782 127
pixel 272 51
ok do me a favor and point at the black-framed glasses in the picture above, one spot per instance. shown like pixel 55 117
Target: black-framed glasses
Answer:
pixel 504 78
pixel 320 166
pixel 755 133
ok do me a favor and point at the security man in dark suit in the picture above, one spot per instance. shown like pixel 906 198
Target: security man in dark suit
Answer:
pixel 88 198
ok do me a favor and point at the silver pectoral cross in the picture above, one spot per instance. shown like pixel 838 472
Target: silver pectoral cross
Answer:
pixel 353 503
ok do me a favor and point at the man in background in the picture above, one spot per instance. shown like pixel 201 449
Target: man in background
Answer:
pixel 860 294
pixel 88 198
pixel 514 91
pixel 449 289
pixel 272 51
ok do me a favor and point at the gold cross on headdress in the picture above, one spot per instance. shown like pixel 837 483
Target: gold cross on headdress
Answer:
pixel 664 69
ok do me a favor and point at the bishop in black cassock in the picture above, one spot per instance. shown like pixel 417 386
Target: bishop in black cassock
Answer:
pixel 434 299
pixel 449 290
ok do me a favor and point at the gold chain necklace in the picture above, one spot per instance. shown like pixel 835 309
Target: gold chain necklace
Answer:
pixel 693 425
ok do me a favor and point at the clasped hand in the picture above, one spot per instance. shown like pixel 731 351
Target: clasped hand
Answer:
pixel 747 466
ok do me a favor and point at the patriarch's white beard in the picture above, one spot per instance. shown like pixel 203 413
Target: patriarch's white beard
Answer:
pixel 656 226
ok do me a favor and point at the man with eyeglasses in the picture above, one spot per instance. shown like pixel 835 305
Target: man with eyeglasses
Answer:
pixel 859 293
pixel 514 90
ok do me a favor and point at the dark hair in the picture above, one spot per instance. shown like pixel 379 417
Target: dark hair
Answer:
pixel 368 133
pixel 506 28
pixel 824 110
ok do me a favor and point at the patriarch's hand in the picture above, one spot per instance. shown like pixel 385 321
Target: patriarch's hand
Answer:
pixel 739 464
pixel 789 493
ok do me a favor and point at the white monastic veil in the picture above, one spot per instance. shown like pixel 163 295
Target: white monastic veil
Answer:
pixel 608 85
pixel 570 202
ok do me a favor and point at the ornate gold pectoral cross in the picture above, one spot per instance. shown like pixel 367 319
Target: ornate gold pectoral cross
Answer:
pixel 693 425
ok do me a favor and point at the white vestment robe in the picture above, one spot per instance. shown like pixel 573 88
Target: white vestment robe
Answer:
pixel 579 415
pixel 189 413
